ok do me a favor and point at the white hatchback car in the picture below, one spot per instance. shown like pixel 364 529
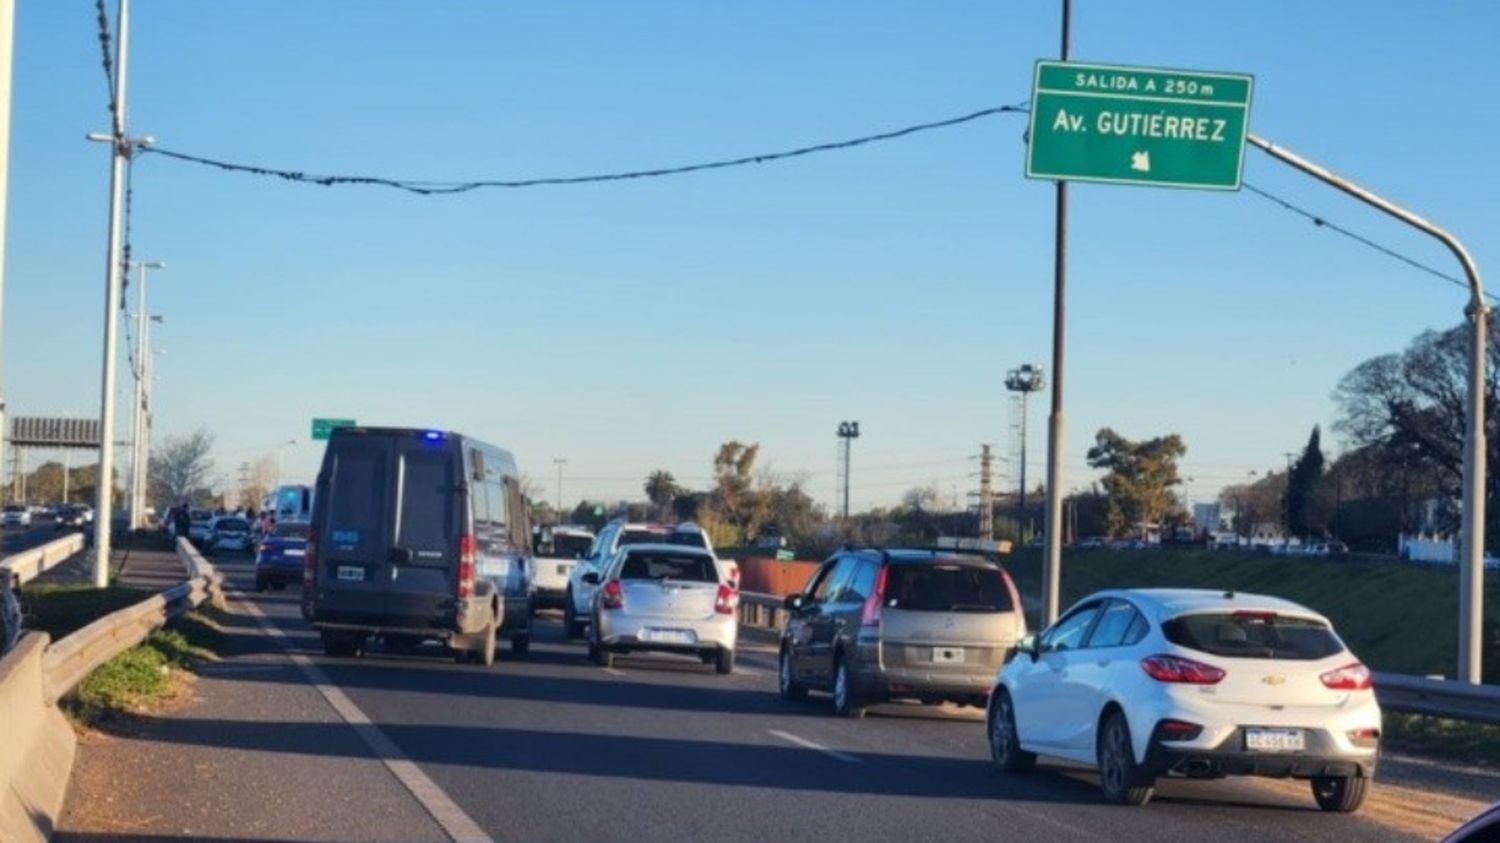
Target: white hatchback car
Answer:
pixel 664 598
pixel 1187 683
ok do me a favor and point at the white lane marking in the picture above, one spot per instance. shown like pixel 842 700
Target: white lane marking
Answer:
pixel 807 744
pixel 613 672
pixel 458 825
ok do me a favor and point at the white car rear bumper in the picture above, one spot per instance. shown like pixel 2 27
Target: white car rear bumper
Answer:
pixel 622 631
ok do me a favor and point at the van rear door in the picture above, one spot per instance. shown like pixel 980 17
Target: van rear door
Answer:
pixel 429 516
pixel 355 536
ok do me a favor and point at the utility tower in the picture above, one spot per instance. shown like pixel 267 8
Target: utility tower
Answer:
pixel 1024 381
pixel 847 433
pixel 986 496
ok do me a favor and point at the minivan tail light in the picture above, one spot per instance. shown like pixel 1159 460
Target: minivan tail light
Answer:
pixel 871 614
pixel 1175 669
pixel 466 553
pixel 1351 677
pixel 726 601
pixel 612 596
pixel 310 560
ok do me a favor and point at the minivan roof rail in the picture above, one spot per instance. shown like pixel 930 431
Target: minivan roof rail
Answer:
pixel 885 552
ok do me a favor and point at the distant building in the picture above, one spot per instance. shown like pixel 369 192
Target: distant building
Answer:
pixel 1208 517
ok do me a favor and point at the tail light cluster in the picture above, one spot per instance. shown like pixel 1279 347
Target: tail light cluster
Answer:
pixel 1176 669
pixel 727 600
pixel 1364 737
pixel 467 550
pixel 871 614
pixel 612 596
pixel 1178 730
pixel 1351 677
pixel 310 560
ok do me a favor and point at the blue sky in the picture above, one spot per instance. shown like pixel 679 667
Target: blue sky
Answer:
pixel 633 326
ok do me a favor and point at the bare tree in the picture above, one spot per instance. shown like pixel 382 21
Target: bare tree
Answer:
pixel 181 465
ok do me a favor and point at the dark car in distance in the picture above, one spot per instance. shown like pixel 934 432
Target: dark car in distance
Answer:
pixel 278 557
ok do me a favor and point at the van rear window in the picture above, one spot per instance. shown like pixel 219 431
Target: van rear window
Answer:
pixel 1253 635
pixel 356 492
pixel 428 487
pixel 946 588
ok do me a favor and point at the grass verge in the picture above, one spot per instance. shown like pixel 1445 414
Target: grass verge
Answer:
pixel 149 675
pixel 62 608
pixel 1459 740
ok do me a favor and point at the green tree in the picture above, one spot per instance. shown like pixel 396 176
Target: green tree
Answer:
pixel 1303 507
pixel 1140 479
pixel 661 488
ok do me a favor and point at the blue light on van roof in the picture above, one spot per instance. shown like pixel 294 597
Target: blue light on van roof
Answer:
pixel 433 435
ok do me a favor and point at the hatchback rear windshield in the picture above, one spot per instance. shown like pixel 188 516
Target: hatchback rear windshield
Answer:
pixel 662 566
pixel 1253 635
pixel 639 536
pixel 689 538
pixel 946 588
pixel 290 531
pixel 233 524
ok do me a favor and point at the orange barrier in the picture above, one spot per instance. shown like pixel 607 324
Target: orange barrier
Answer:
pixel 774 576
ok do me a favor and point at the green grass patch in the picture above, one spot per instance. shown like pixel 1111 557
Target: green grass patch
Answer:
pixel 1435 736
pixel 61 608
pixel 1397 617
pixel 150 673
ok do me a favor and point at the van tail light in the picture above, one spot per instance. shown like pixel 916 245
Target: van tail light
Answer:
pixel 310 560
pixel 1176 669
pixel 727 600
pixel 871 614
pixel 1351 677
pixel 612 596
pixel 467 550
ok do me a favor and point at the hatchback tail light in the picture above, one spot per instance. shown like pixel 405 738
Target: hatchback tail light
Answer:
pixel 871 614
pixel 467 550
pixel 1178 730
pixel 727 600
pixel 310 560
pixel 612 596
pixel 1351 677
pixel 1176 669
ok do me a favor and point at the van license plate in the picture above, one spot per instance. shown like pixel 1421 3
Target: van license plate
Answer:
pixel 1275 740
pixel 352 573
pixel 948 655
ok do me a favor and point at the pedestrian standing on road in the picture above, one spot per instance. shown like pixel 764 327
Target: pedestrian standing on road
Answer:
pixel 181 520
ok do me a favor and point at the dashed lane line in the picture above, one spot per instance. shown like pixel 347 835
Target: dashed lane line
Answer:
pixel 816 747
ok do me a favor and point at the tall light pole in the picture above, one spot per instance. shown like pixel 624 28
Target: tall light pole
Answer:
pixel 1052 565
pixel 138 410
pixel 7 21
pixel 1024 380
pixel 559 462
pixel 847 433
pixel 121 148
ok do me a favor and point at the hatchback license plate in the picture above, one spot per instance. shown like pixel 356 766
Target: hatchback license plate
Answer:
pixel 669 636
pixel 1275 740
pixel 352 573
pixel 947 655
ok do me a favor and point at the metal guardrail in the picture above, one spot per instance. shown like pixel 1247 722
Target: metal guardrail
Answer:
pixel 1438 697
pixel 762 610
pixel 21 568
pixel 66 662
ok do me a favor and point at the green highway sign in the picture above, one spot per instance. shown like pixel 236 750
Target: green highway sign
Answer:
pixel 1138 125
pixel 323 428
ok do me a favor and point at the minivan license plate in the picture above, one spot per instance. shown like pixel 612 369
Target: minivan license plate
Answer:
pixel 1275 740
pixel 354 573
pixel 947 655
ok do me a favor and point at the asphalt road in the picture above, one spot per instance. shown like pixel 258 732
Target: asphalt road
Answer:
pixel 553 748
pixel 17 539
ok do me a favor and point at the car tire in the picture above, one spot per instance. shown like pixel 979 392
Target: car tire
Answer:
pixel 786 680
pixel 846 701
pixel 572 627
pixel 1120 777
pixel 521 644
pixel 601 655
pixel 724 662
pixel 1005 741
pixel 1340 794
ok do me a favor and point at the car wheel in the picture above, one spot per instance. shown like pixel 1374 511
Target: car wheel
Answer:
pixel 1120 777
pixel 846 702
pixel 724 662
pixel 521 644
pixel 786 680
pixel 1005 741
pixel 572 628
pixel 1340 794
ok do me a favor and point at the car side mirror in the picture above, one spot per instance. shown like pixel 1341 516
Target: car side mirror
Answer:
pixel 795 602
pixel 591 578
pixel 1030 645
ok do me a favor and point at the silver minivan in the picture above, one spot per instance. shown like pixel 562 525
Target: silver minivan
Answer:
pixel 877 624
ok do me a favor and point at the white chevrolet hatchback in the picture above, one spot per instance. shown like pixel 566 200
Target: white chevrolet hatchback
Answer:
pixel 1151 683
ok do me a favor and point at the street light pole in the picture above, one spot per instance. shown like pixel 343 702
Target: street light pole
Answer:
pixel 1471 561
pixel 1052 567
pixel 142 348
pixel 559 462
pixel 7 22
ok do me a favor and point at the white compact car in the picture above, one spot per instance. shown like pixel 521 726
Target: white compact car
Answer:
pixel 1200 684
pixel 664 598
pixel 17 515
pixel 229 532
pixel 578 601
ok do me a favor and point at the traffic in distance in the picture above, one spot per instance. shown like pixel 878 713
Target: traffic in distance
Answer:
pixel 418 541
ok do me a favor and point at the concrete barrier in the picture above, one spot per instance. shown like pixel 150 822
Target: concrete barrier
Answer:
pixel 37 746
pixel 29 564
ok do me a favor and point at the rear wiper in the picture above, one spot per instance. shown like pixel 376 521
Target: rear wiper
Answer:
pixel 972 607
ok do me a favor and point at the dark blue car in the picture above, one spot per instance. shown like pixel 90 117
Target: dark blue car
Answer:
pixel 279 556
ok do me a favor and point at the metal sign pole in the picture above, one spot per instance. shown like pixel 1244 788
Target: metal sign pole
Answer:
pixel 1052 566
pixel 1471 558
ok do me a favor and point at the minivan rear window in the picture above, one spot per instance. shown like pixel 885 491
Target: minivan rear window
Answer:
pixel 564 546
pixel 661 566
pixel 1253 635
pixel 946 588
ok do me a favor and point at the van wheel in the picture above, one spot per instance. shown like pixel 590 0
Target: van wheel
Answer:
pixel 846 702
pixel 1340 794
pixel 1120 777
pixel 786 680
pixel 521 644
pixel 724 662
